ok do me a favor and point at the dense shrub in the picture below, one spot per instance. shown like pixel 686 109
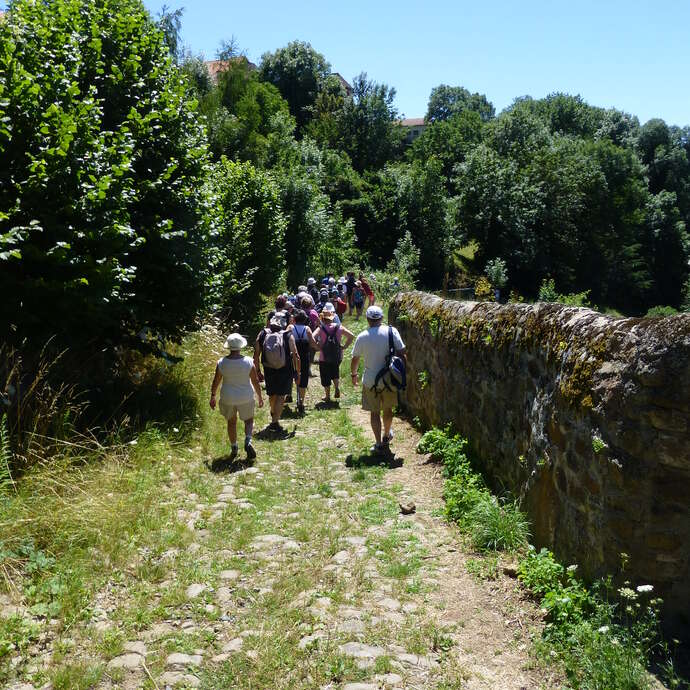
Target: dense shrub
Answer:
pixel 102 161
pixel 248 230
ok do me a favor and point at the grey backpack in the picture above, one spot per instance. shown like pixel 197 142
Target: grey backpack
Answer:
pixel 275 355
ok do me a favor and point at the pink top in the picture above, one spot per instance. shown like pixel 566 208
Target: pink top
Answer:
pixel 321 336
pixel 313 319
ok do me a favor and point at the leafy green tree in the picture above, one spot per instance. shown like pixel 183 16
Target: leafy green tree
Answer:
pixel 248 229
pixel 245 115
pixel 102 162
pixel 317 238
pixel 367 129
pixel 426 216
pixel 170 23
pixel 298 72
pixel 323 125
pixel 449 141
pixel 669 250
pixel 447 101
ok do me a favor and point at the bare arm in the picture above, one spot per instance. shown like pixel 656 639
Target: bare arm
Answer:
pixel 254 379
pixel 349 335
pixel 257 360
pixel 354 368
pixel 214 387
pixel 296 363
pixel 310 337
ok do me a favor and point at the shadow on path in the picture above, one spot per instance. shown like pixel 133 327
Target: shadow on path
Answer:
pixel 225 464
pixel 270 435
pixel 371 460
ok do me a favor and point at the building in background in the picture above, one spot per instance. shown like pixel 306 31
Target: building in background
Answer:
pixel 414 126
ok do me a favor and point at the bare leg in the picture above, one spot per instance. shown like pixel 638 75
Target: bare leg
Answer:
pixel 327 391
pixel 277 409
pixel 248 428
pixel 272 403
pixel 387 422
pixel 302 394
pixel 336 383
pixel 232 429
pixel 376 426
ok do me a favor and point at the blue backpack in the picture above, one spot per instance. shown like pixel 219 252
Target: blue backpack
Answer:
pixel 393 376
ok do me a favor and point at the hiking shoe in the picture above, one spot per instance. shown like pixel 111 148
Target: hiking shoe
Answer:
pixel 376 449
pixel 249 449
pixel 233 453
pixel 386 440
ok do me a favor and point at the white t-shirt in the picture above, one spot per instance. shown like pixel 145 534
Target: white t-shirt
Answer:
pixel 372 345
pixel 236 387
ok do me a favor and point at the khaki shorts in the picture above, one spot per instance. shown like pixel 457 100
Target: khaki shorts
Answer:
pixel 376 402
pixel 245 409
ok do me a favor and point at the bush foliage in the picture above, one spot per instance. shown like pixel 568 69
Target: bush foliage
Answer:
pixel 102 166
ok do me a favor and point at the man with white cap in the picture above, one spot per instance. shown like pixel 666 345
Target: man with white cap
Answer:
pixel 374 346
pixel 240 382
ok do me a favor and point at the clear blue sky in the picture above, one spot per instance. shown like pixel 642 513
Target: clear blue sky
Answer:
pixel 633 54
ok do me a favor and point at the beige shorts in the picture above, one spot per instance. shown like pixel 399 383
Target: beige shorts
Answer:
pixel 376 402
pixel 245 409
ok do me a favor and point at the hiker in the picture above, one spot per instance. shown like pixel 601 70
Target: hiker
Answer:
pixel 350 287
pixel 308 306
pixel 374 346
pixel 358 298
pixel 275 348
pixel 339 304
pixel 239 383
pixel 304 340
pixel 330 337
pixel 367 289
pixel 313 290
pixel 323 299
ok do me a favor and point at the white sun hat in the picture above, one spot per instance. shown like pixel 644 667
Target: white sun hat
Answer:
pixel 235 342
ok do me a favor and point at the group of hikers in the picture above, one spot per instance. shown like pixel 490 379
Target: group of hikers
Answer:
pixel 302 327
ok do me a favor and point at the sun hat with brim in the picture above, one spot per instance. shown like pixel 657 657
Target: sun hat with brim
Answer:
pixel 311 281
pixel 375 313
pixel 235 342
pixel 279 320
pixel 342 280
pixel 328 311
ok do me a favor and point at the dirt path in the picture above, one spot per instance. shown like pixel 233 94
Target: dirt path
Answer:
pixel 298 572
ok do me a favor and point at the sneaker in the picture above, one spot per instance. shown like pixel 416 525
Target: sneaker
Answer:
pixel 233 453
pixel 386 440
pixel 249 449
pixel 376 449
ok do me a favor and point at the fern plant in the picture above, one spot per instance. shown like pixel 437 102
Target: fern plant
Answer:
pixel 6 480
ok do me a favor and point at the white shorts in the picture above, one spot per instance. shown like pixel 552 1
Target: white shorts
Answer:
pixel 244 409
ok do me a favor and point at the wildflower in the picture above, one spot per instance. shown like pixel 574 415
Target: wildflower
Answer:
pixel 604 629
pixel 627 593
pixel 176 430
pixel 572 568
pixel 133 443
pixel 645 588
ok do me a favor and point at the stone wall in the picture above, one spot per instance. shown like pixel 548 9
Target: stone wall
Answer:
pixel 585 417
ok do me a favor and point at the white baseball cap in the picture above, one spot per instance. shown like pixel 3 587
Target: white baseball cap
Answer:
pixel 375 313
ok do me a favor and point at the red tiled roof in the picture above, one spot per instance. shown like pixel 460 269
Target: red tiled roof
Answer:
pixel 413 122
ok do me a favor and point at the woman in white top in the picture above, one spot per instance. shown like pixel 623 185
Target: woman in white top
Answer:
pixel 240 382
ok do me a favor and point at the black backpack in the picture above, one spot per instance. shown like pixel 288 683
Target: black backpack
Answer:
pixel 332 352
